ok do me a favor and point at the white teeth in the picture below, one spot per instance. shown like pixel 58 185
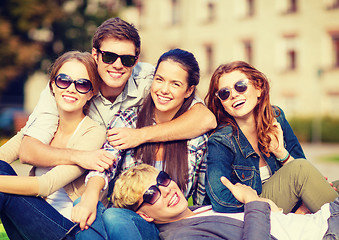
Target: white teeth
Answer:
pixel 113 74
pixel 173 200
pixel 69 98
pixel 163 98
pixel 238 103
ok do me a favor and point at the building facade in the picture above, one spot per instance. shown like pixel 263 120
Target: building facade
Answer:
pixel 294 42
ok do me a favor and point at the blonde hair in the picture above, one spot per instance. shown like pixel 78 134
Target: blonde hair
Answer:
pixel 130 186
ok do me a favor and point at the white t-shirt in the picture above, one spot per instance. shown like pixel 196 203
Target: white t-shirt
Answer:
pixel 286 226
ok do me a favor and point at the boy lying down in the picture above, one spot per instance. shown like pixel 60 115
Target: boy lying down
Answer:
pixel 156 198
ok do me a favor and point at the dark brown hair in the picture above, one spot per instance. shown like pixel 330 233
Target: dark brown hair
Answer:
pixel 119 29
pixel 263 112
pixel 175 161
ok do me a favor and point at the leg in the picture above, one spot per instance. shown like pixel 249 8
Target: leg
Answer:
pixel 30 217
pixel 296 180
pixel 333 222
pixel 97 229
pixel 126 224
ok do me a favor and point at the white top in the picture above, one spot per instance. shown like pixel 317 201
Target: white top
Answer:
pixel 286 226
pixel 59 199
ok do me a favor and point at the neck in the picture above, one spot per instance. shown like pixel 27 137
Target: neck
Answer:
pixel 110 93
pixel 68 122
pixel 187 213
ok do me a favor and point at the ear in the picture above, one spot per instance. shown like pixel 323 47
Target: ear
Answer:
pixel 95 54
pixel 258 90
pixel 145 216
pixel 189 91
pixel 53 87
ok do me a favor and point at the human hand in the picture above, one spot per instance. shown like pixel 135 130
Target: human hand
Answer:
pixel 335 189
pixel 98 160
pixel 84 213
pixel 125 138
pixel 240 191
pixel 276 145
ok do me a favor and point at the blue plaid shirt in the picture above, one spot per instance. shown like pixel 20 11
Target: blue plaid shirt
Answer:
pixel 197 148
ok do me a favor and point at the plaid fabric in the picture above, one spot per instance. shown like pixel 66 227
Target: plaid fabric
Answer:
pixel 197 148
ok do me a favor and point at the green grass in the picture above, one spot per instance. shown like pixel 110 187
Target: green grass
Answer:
pixel 3 235
pixel 334 158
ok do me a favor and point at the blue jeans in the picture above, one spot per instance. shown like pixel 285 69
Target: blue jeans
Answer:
pixel 125 224
pixel 97 230
pixel 28 217
pixel 333 222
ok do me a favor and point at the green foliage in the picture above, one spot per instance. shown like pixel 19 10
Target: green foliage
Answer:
pixel 35 32
pixel 304 127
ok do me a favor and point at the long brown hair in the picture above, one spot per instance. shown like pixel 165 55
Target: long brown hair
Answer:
pixel 87 60
pixel 264 113
pixel 175 161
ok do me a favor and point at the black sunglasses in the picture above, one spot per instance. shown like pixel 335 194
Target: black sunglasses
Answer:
pixel 110 57
pixel 82 85
pixel 240 86
pixel 153 192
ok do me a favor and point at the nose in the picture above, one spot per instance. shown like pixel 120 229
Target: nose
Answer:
pixel 164 190
pixel 71 87
pixel 117 63
pixel 233 93
pixel 165 88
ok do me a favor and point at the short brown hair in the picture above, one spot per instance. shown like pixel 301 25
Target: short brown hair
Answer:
pixel 119 29
pixel 130 186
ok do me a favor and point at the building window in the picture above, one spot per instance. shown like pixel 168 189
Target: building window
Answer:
pixel 248 51
pixel 335 43
pixel 250 8
pixel 210 11
pixel 332 4
pixel 209 58
pixel 175 11
pixel 288 53
pixel 287 6
pixel 292 6
pixel 244 8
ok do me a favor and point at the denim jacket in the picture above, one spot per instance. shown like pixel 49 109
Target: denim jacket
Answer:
pixel 231 155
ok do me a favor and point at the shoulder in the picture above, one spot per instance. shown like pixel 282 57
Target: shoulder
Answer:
pixel 125 117
pixel 198 142
pixel 143 71
pixel 280 115
pixel 221 132
pixel 90 124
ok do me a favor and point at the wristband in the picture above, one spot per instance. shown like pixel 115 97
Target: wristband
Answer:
pixel 283 160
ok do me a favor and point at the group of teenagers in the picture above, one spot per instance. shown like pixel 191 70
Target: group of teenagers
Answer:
pixel 118 147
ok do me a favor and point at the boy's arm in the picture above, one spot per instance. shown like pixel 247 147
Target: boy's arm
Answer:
pixel 84 212
pixel 9 152
pixel 195 122
pixel 34 152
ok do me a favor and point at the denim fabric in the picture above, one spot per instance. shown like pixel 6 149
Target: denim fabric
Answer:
pixel 231 155
pixel 333 222
pixel 27 217
pixel 124 224
pixel 97 230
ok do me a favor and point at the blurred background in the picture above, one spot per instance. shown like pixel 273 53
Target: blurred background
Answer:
pixel 294 42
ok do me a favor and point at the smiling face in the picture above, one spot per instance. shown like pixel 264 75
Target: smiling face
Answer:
pixel 114 75
pixel 171 206
pixel 169 90
pixel 69 100
pixel 239 105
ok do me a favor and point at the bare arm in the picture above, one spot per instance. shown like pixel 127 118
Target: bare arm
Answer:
pixel 195 122
pixel 85 211
pixel 19 185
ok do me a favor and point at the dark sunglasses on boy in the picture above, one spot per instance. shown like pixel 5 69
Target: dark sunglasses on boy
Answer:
pixel 153 193
pixel 110 57
pixel 82 85
pixel 224 93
